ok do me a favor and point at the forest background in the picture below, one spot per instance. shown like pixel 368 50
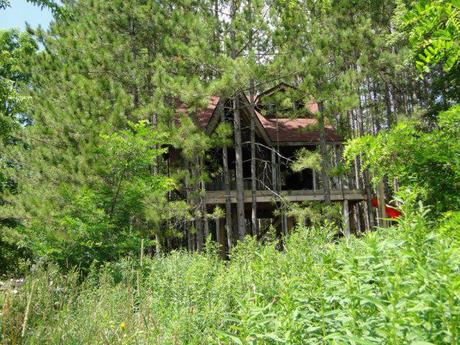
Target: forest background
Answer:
pixel 88 110
pixel 83 176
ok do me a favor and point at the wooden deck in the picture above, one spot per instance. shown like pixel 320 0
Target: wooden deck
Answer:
pixel 266 196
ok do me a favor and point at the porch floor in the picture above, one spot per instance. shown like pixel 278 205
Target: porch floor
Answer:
pixel 266 196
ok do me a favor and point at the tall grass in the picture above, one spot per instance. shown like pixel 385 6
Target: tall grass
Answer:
pixel 394 286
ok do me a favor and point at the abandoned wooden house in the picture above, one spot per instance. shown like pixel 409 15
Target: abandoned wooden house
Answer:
pixel 262 164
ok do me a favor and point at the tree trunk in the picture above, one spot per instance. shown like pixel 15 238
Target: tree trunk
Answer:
pixel 366 179
pixel 155 171
pixel 254 223
pixel 198 209
pixel 189 238
pixel 239 170
pixel 199 233
pixel 189 224
pixel 237 132
pixel 204 211
pixel 220 237
pixel 228 201
pixel 323 152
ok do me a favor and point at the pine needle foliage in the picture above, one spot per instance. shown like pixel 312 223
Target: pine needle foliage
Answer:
pixel 306 159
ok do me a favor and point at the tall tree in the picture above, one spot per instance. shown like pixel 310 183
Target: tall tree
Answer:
pixel 15 48
pixel 315 38
pixel 241 223
pixel 100 69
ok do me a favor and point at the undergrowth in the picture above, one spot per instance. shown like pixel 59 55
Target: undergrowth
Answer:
pixel 394 286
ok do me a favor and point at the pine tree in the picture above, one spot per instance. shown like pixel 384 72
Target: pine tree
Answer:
pixel 103 65
pixel 15 48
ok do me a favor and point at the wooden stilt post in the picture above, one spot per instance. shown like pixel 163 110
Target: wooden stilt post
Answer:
pixel 234 224
pixel 284 225
pixel 218 234
pixel 274 184
pixel 220 237
pixel 228 202
pixel 199 232
pixel 189 238
pixel 338 156
pixel 314 180
pixel 381 200
pixel 353 216
pixel 324 156
pixel 204 209
pixel 369 209
pixel 346 218
pixel 205 222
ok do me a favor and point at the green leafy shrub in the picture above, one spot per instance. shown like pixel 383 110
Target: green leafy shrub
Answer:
pixel 396 286
pixel 105 217
pixel 427 160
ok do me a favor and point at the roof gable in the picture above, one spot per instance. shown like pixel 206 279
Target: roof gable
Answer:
pixel 271 103
pixel 202 116
pixel 279 129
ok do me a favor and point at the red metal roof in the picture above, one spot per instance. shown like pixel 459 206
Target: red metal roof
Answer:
pixel 295 130
pixel 202 116
pixel 289 130
pixel 313 107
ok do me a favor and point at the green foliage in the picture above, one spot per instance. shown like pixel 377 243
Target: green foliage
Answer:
pixel 89 179
pixel 15 49
pixel 89 184
pixel 431 31
pixel 318 60
pixel 434 32
pixel 317 215
pixel 306 159
pixel 425 159
pixel 107 217
pixel 398 286
pixel 42 3
pixel 223 135
pixel 191 140
pixel 218 213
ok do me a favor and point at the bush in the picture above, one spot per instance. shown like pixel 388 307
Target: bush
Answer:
pixel 422 158
pixel 395 286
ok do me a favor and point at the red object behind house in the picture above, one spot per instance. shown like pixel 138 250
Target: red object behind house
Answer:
pixel 389 210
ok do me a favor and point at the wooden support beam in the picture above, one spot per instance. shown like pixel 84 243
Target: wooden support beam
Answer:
pixel 346 218
pixel 220 237
pixel 337 160
pixel 274 184
pixel 290 223
pixel 381 200
pixel 284 229
pixel 267 196
pixel 228 202
pixel 314 180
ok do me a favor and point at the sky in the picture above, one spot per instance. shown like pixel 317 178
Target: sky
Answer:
pixel 21 12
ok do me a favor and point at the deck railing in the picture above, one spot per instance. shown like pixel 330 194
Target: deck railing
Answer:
pixel 265 183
